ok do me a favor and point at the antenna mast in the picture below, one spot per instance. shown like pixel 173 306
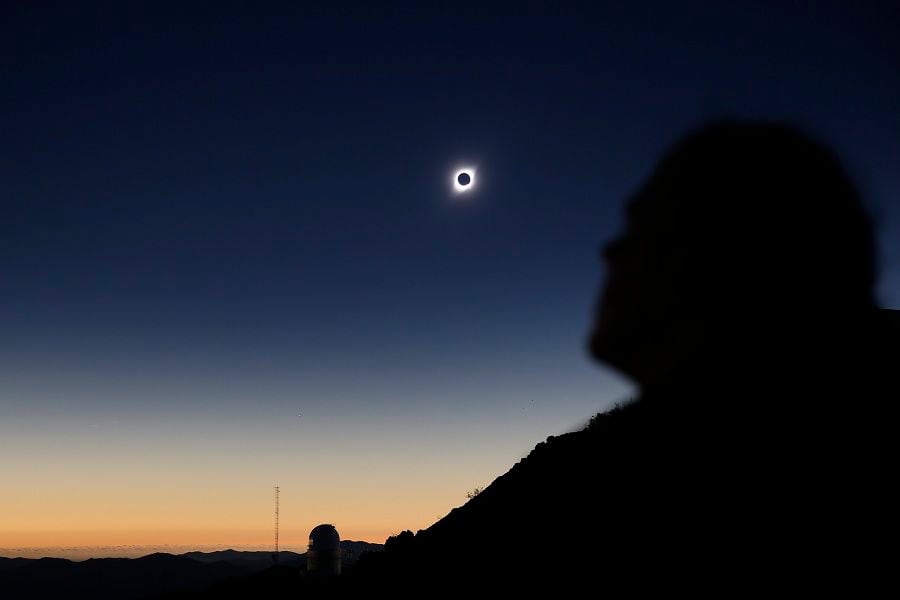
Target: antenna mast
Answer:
pixel 275 556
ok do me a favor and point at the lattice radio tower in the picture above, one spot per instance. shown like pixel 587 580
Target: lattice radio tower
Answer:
pixel 275 555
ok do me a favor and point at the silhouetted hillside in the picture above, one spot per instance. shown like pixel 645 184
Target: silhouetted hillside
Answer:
pixel 254 561
pixel 100 578
pixel 8 564
pixel 679 487
pixel 223 573
pixel 353 550
pixel 261 560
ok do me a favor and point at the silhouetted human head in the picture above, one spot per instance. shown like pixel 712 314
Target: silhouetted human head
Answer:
pixel 744 232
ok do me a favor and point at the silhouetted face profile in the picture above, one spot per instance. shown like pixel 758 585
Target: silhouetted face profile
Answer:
pixel 743 233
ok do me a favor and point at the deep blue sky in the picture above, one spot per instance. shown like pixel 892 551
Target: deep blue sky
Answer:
pixel 216 217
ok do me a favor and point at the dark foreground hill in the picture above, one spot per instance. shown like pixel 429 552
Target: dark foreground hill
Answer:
pixel 153 575
pixel 254 561
pixel 103 578
pixel 257 561
pixel 746 474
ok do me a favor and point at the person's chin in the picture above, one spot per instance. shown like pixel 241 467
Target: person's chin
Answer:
pixel 599 341
pixel 614 339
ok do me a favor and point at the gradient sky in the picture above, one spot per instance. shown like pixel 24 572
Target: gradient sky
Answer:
pixel 218 218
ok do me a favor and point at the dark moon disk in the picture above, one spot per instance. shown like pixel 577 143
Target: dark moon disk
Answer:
pixel 464 179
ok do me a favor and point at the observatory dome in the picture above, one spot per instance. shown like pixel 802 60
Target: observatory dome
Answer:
pixel 324 538
pixel 323 557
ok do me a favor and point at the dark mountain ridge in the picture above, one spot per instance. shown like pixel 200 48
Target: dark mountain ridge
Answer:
pixel 150 575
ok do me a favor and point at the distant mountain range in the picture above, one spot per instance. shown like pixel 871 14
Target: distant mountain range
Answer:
pixel 152 575
pixel 259 560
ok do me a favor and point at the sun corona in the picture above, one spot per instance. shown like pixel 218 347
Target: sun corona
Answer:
pixel 463 180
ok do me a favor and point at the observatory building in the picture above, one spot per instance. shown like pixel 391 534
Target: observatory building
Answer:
pixel 323 557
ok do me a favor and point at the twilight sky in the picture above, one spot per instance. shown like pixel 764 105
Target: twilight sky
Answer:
pixel 218 218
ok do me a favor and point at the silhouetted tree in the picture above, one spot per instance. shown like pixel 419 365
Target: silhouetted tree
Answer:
pixel 400 543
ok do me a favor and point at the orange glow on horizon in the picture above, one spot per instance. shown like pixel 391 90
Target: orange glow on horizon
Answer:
pixel 207 488
pixel 182 510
